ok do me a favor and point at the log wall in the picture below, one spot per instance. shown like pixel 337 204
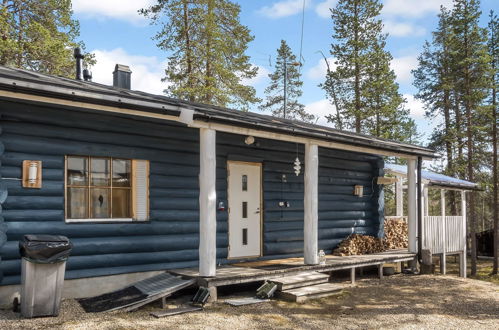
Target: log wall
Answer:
pixel 170 239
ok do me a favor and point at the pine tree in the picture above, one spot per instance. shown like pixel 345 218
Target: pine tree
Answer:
pixel 386 115
pixel 206 45
pixel 362 85
pixel 39 35
pixel 434 79
pixel 471 58
pixel 493 47
pixel 285 87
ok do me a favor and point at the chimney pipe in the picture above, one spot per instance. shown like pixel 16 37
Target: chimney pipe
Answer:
pixel 122 76
pixel 79 63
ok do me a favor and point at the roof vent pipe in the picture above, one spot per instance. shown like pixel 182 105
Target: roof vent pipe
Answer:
pixel 87 75
pixel 122 76
pixel 79 63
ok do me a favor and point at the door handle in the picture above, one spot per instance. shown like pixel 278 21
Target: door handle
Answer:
pixel 257 211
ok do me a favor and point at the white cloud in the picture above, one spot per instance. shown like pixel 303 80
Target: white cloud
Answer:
pixel 403 66
pixel 413 8
pixel 147 71
pixel 405 29
pixel 119 9
pixel 322 9
pixel 320 109
pixel 319 71
pixel 283 8
pixel 262 75
pixel 415 106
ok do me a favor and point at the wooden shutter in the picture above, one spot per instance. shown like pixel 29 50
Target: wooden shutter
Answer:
pixel 140 190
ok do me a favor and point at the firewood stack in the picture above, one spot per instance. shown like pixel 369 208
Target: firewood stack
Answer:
pixel 395 238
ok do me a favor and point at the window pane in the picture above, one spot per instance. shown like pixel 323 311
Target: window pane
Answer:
pixel 77 171
pixel 245 182
pixel 77 203
pixel 100 172
pixel 121 203
pixel 100 203
pixel 245 210
pixel 121 173
pixel 245 236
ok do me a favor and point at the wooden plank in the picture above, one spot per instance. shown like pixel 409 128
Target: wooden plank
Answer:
pixel 310 292
pixel 176 311
pixel 300 280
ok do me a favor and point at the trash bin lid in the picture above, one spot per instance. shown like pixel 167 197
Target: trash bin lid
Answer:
pixel 45 238
pixel 45 248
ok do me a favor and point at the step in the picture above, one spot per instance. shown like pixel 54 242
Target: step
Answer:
pixel 300 280
pixel 310 292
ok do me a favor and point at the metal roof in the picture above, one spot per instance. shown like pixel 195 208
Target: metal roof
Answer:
pixel 435 179
pixel 23 81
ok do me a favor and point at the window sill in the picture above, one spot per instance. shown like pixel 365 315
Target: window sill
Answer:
pixel 103 220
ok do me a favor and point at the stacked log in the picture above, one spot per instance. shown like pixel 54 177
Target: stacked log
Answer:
pixel 396 237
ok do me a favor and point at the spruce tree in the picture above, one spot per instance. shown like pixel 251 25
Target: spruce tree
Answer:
pixel 206 45
pixel 285 87
pixel 40 36
pixel 362 85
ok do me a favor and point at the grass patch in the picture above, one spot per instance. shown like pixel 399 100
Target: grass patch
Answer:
pixel 484 269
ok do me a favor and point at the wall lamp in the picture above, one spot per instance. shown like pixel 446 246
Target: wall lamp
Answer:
pixel 32 174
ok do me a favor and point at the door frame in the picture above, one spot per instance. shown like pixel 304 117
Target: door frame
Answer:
pixel 260 165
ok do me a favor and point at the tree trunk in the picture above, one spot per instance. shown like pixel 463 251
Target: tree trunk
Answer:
pixel 470 147
pixel 209 36
pixel 357 72
pixel 188 51
pixel 495 192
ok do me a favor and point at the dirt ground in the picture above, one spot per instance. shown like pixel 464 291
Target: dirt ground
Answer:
pixel 396 302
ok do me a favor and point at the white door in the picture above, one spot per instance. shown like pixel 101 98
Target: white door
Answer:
pixel 244 196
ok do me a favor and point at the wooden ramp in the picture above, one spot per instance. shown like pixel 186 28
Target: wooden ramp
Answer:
pixel 138 294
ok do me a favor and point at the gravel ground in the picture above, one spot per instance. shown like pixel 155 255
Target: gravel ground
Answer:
pixel 396 302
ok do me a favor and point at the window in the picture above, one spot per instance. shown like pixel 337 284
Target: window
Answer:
pixel 104 188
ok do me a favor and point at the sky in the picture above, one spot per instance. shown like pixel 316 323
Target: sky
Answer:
pixel 116 33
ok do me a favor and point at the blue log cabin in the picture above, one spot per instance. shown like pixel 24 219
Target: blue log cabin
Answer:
pixel 143 183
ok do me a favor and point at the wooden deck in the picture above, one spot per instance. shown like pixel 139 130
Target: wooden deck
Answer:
pixel 255 271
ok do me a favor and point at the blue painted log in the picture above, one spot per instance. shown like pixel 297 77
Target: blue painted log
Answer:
pixel 49 188
pixel 33 215
pixel 34 203
pixel 98 122
pixel 81 135
pixel 15 158
pixel 58 147
pixel 17 229
pixel 47 173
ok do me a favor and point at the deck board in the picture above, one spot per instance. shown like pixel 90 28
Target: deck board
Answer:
pixel 247 272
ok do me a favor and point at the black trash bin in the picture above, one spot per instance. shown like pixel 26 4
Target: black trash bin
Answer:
pixel 42 277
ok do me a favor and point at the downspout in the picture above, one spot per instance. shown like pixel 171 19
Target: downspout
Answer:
pixel 420 206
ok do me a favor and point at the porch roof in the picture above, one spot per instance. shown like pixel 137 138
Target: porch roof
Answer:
pixel 434 179
pixel 17 84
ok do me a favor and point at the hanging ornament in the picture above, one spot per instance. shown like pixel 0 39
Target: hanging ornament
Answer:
pixel 297 166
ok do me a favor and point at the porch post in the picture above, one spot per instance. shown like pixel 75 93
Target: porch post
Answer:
pixel 443 266
pixel 462 259
pixel 426 201
pixel 310 228
pixel 207 203
pixel 412 220
pixel 399 197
